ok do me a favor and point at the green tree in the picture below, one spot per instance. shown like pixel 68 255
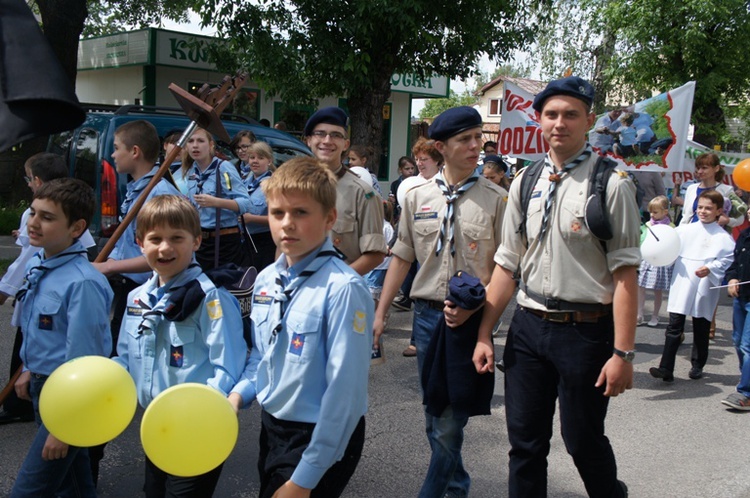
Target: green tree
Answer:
pixel 630 48
pixel 433 107
pixel 303 50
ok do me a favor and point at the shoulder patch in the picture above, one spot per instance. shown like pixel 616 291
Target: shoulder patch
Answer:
pixel 359 322
pixel 622 174
pixel 214 309
pixel 369 194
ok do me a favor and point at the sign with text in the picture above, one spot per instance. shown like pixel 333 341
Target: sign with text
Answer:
pixel 112 51
pixel 430 86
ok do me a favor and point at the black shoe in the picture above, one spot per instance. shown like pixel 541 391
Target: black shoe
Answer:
pixel 661 373
pixel 695 373
pixel 11 418
pixel 403 303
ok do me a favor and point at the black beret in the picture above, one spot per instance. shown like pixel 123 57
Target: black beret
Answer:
pixel 492 158
pixel 328 115
pixel 572 86
pixel 454 121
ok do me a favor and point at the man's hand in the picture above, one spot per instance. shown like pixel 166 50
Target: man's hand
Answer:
pixel 734 288
pixel 456 316
pixel 291 490
pixel 378 327
pixel 484 356
pixel 618 374
pixel 54 449
pixel 22 385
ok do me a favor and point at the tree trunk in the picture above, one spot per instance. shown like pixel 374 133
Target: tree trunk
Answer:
pixel 62 23
pixel 708 119
pixel 366 115
pixel 603 56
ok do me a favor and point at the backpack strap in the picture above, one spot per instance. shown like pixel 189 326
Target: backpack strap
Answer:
pixel 528 181
pixel 600 174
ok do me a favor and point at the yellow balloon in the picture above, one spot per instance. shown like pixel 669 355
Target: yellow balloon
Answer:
pixel 88 401
pixel 189 429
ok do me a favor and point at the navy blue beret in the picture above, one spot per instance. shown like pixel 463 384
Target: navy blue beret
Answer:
pixel 454 121
pixel 492 158
pixel 572 86
pixel 465 291
pixel 327 115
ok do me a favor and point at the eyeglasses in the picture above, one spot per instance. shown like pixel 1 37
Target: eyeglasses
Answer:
pixel 322 134
pixel 243 147
pixel 27 179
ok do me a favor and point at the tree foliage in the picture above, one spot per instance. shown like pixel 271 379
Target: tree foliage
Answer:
pixel 654 45
pixel 433 107
pixel 114 16
pixel 304 50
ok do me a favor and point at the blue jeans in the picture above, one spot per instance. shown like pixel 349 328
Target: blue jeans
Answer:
pixel 546 362
pixel 741 338
pixel 68 477
pixel 446 475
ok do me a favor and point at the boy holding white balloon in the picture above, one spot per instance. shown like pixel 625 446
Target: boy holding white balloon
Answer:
pixel 64 315
pixel 178 327
pixel 312 335
pixel 707 252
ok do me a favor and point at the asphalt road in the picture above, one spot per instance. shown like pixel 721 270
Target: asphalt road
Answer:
pixel 671 440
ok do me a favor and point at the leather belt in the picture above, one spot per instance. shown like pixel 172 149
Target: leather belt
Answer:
pixel 436 305
pixel 207 234
pixel 569 316
pixel 558 304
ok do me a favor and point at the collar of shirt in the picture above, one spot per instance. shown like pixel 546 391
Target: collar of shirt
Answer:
pixel 76 249
pixel 568 160
pixel 289 273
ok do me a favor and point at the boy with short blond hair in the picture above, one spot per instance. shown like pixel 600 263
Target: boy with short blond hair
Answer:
pixel 64 315
pixel 312 334
pixel 179 326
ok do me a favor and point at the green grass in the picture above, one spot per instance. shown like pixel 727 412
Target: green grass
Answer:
pixel 10 217
pixel 4 264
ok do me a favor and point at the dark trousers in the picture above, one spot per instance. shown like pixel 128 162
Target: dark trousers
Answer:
pixel 159 484
pixel 281 446
pixel 13 404
pixel 262 249
pixel 675 329
pixel 544 362
pixel 231 250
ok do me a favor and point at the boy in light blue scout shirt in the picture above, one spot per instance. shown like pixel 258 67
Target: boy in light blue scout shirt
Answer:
pixel 312 338
pixel 136 149
pixel 64 315
pixel 178 326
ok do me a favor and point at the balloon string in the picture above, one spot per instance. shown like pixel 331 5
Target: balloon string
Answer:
pixel 652 233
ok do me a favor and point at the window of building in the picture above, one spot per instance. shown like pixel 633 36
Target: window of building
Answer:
pixel 495 107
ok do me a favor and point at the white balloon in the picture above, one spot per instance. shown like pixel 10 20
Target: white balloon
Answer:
pixel 661 246
pixel 406 185
pixel 363 174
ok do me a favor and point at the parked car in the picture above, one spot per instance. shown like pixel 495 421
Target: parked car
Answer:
pixel 88 150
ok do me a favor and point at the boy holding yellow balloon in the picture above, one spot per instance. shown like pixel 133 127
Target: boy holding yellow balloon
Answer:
pixel 179 327
pixel 312 335
pixel 64 315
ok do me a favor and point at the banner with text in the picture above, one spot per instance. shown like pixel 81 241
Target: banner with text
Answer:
pixel 650 135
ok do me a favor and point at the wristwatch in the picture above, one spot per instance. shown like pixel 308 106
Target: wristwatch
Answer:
pixel 628 356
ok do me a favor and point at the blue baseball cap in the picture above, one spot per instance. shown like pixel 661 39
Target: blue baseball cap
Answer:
pixel 453 121
pixel 572 86
pixel 327 115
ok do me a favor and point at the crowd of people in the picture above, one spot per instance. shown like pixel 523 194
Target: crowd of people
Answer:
pixel 334 256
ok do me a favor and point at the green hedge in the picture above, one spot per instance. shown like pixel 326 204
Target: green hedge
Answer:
pixel 10 217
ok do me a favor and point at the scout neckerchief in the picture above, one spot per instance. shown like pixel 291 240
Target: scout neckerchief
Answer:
pixel 35 273
pixel 555 178
pixel 205 175
pixel 245 170
pixel 134 190
pixel 284 292
pixel 698 193
pixel 254 183
pixel 451 196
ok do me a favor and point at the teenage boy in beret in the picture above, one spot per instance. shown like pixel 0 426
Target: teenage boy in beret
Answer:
pixel 572 336
pixel 358 231
pixel 448 224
